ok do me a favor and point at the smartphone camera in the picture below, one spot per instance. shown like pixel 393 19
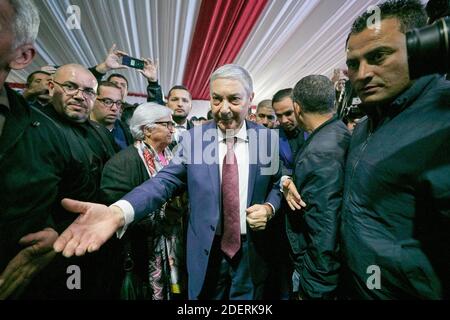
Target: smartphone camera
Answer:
pixel 132 62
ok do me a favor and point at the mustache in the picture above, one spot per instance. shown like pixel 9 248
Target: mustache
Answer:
pixel 77 103
pixel 225 117
pixel 362 86
pixel 43 93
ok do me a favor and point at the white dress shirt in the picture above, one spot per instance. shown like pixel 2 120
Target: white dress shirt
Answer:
pixel 179 129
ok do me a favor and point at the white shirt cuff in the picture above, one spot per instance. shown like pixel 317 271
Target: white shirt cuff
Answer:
pixel 128 215
pixel 273 208
pixel 282 180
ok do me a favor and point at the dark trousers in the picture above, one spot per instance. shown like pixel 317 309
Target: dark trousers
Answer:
pixel 230 279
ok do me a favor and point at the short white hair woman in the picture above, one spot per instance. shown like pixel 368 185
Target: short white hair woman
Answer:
pixel 152 128
pixel 155 245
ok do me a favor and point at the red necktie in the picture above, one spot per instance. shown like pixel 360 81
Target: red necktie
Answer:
pixel 231 236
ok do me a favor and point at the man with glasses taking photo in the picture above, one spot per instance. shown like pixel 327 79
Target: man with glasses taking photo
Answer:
pixel 107 110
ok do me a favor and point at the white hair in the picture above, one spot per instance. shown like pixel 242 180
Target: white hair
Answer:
pixel 234 72
pixel 25 23
pixel 145 116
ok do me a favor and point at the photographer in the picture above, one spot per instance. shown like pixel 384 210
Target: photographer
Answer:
pixel 396 203
pixel 428 47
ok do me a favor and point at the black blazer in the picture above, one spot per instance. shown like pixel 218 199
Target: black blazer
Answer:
pixel 37 169
pixel 122 173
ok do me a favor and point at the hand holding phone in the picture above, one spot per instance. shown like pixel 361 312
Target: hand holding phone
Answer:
pixel 150 70
pixel 133 62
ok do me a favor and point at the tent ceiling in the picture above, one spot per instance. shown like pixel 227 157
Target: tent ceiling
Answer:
pixel 291 38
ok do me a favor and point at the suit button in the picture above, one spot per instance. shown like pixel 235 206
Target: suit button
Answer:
pixel 213 228
pixel 206 252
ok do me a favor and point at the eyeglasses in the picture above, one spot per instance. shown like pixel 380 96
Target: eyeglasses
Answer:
pixel 109 103
pixel 167 124
pixel 72 89
pixel 263 116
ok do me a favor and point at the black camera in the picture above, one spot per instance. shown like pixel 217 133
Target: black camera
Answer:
pixel 429 47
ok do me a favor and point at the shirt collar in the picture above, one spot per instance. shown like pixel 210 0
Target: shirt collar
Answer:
pixel 4 98
pixel 181 126
pixel 241 135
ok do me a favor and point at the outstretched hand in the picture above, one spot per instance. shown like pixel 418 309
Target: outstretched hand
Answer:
pixel 93 227
pixel 19 272
pixel 292 196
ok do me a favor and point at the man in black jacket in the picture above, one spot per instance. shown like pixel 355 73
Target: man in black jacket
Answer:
pixel 396 203
pixel 37 165
pixel 73 90
pixel 319 176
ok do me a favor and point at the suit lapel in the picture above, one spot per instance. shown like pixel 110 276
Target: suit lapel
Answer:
pixel 252 134
pixel 213 168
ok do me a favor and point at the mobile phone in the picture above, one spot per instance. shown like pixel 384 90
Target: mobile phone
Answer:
pixel 132 62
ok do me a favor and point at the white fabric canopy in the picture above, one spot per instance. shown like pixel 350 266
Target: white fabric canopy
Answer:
pixel 292 38
pixel 298 38
pixel 157 29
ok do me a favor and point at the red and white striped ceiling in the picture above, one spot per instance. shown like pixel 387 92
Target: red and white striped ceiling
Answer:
pixel 278 41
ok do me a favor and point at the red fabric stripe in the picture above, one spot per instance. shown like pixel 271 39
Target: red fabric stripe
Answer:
pixel 221 30
pixel 14 85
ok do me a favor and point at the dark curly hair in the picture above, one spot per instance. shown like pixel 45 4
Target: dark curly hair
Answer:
pixel 410 13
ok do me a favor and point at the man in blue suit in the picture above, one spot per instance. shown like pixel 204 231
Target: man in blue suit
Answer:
pixel 230 169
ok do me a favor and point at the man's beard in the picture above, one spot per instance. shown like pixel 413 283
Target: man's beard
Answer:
pixel 178 118
pixel 43 99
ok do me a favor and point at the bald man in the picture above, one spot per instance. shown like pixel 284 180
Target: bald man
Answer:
pixel 73 92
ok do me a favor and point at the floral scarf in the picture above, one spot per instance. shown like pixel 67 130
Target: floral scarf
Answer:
pixel 165 240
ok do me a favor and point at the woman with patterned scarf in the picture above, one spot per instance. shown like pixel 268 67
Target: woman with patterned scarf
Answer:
pixel 154 247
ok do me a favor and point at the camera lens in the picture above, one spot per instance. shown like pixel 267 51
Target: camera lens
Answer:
pixel 428 49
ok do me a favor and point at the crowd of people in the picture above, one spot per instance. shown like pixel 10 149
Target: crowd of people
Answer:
pixel 303 199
